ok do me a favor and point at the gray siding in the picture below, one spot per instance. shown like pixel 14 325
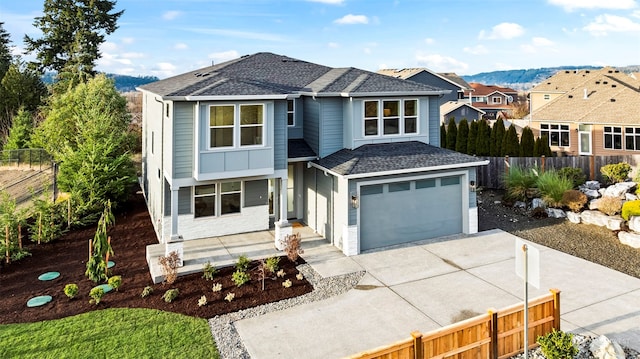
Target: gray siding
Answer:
pixel 183 134
pixel 434 121
pixel 324 200
pixel 331 126
pixel 256 193
pixel 280 135
pixel 462 112
pixel 295 131
pixel 184 200
pixel 429 79
pixel 311 112
pixel 309 197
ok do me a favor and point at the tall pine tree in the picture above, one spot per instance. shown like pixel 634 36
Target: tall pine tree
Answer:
pixel 5 51
pixel 497 135
pixel 463 136
pixel 511 142
pixel 526 142
pixel 482 141
pixel 473 138
pixel 452 134
pixel 443 136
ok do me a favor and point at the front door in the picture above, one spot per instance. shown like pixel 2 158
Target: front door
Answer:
pixel 584 139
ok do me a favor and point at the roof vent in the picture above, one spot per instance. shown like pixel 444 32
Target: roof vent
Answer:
pixel 548 83
pixel 588 71
pixel 610 71
pixel 597 82
pixel 570 96
pixel 586 96
pixel 613 100
pixel 614 85
pixel 616 71
pixel 605 82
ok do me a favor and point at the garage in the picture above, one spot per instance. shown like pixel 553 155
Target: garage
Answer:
pixel 407 211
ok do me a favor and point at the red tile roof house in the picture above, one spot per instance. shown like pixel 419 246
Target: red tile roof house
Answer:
pixel 267 138
pixel 492 99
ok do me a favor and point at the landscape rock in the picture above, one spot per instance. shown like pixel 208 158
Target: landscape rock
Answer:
pixel 573 217
pixel 630 197
pixel 593 204
pixel 555 213
pixel 619 189
pixel 592 193
pixel 614 223
pixel 538 203
pixel 634 223
pixel 591 185
pixel 520 204
pixel 630 239
pixel 603 348
pixel 594 217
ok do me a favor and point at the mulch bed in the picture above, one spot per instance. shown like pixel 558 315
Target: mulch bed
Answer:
pixel 132 233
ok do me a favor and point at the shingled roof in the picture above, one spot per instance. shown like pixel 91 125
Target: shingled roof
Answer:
pixel 266 74
pixel 566 80
pixel 408 73
pixel 396 156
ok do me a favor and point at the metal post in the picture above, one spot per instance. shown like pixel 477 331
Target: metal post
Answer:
pixel 526 303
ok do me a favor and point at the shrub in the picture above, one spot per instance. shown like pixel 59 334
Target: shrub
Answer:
pixel 96 295
pixel 243 263
pixel 518 181
pixel 299 276
pixel 216 287
pixel 271 264
pixel 552 187
pixel 146 291
pixel 574 199
pixel 630 208
pixel 576 175
pixel 609 205
pixel 169 265
pixel 292 246
pixel 170 295
pixel 115 282
pixel 71 290
pixel 202 301
pixel 615 172
pixel 558 345
pixel 240 277
pixel 286 283
pixel 208 271
pixel 229 297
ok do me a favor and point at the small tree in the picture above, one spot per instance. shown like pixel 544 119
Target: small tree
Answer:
pixel 497 136
pixel 452 134
pixel 482 141
pixel 101 246
pixel 443 136
pixel 544 148
pixel 20 132
pixel 511 142
pixel 473 138
pixel 463 136
pixel 527 143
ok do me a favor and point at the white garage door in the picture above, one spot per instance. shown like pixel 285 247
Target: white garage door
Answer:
pixel 401 212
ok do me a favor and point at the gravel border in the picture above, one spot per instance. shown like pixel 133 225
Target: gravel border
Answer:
pixel 226 336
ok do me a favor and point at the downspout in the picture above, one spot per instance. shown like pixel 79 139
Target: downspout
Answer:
pixel 161 168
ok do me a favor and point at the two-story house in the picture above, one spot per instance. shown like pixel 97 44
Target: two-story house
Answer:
pixel 267 139
pixel 492 99
pixel 596 113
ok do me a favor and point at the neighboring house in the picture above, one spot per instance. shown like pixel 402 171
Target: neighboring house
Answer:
pixel 459 110
pixel 557 85
pixel 597 116
pixel 447 81
pixel 492 99
pixel 353 154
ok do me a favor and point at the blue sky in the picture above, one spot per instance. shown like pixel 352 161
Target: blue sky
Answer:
pixel 169 37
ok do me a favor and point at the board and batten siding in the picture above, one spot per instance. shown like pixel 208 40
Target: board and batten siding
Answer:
pixel 331 130
pixel 311 110
pixel 280 135
pixel 433 109
pixel 295 131
pixel 183 136
pixel 184 201
pixel 426 78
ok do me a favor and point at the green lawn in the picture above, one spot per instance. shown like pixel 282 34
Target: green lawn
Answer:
pixel 111 333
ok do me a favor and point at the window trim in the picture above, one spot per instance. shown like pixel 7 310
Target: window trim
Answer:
pixel 635 135
pixel 237 126
pixel 401 118
pixel 292 112
pixel 496 100
pixel 217 199
pixel 613 135
pixel 559 130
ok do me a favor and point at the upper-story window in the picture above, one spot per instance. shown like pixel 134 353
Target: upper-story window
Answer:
pixel 396 118
pixel 236 125
pixel 557 134
pixel 547 96
pixel 496 99
pixel 291 111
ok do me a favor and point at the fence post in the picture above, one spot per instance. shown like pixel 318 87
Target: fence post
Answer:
pixel 592 168
pixel 493 323
pixel 506 165
pixel 543 161
pixel 417 345
pixel 556 308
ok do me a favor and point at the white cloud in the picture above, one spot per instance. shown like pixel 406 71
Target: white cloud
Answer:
pixel 133 55
pixel 541 41
pixel 171 15
pixel 528 49
pixel 636 14
pixel 441 63
pixel 223 56
pixel 367 51
pixel 329 2
pixel 333 45
pixel 128 40
pixel 352 19
pixel 108 46
pixel 570 5
pixel 163 69
pixel 180 46
pixel 500 66
pixel 606 23
pixel 476 50
pixel 238 34
pixel 505 30
pixel 429 41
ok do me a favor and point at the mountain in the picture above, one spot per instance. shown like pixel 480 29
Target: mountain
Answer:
pixel 526 79
pixel 123 83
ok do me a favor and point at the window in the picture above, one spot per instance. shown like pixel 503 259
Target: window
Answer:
pixel 291 113
pixel 612 138
pixel 632 138
pixel 373 189
pixel 425 183
pixel 231 125
pixel 496 100
pixel 250 125
pixel 547 97
pixel 450 181
pixel 398 117
pixel 399 186
pixel 558 135
pixel 371 118
pixel 204 200
pixel 207 199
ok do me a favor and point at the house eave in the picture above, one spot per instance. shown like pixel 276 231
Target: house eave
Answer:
pixel 405 171
pixel 375 94
pixel 301 159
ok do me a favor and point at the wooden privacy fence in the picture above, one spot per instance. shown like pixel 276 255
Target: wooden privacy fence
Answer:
pixel 495 335
pixel 491 175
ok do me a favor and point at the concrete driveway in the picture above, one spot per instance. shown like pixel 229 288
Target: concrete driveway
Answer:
pixel 431 284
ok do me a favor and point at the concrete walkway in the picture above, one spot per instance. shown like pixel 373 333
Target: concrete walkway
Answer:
pixel 434 283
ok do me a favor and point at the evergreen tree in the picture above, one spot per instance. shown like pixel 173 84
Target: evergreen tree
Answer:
pixel 463 136
pixel 72 32
pixel 497 135
pixel 536 147
pixel 5 51
pixel 544 147
pixel 443 136
pixel 20 132
pixel 511 142
pixel 482 141
pixel 473 138
pixel 527 142
pixel 452 134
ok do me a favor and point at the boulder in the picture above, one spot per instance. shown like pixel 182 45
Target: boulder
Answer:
pixel 630 239
pixel 591 185
pixel 520 204
pixel 630 197
pixel 555 213
pixel 614 223
pixel 573 217
pixel 619 189
pixel 594 217
pixel 603 348
pixel 593 204
pixel 538 203
pixel 592 193
pixel 634 223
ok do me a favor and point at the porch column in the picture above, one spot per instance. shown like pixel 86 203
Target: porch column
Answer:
pixel 174 215
pixel 283 228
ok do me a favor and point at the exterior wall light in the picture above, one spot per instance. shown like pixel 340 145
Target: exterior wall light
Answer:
pixel 472 186
pixel 354 200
